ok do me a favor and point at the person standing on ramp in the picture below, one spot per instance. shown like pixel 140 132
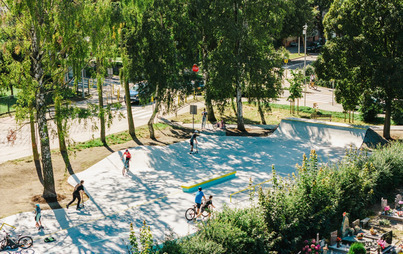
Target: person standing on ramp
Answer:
pixel 193 140
pixel 126 166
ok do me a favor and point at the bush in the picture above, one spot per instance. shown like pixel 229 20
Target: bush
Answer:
pixel 369 108
pixel 357 248
pixel 397 112
pixel 297 207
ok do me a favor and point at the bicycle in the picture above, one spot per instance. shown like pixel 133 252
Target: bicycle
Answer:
pixel 190 213
pixel 23 241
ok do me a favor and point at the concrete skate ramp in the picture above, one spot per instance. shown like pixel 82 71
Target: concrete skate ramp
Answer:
pixel 321 134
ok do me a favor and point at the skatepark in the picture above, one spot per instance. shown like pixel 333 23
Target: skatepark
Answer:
pixel 152 191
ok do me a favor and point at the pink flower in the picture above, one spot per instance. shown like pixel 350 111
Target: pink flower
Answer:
pixel 313 241
pixel 316 252
pixel 317 247
pixel 309 250
pixel 312 246
pixel 381 243
pixel 387 208
pixel 306 242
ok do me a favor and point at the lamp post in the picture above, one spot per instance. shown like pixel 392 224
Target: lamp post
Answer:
pixel 304 32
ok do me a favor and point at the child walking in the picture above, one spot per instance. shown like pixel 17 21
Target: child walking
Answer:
pixel 38 222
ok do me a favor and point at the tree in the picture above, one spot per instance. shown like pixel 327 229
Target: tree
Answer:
pixel 297 14
pixel 244 29
pixel 368 34
pixel 296 84
pixel 153 55
pixel 39 27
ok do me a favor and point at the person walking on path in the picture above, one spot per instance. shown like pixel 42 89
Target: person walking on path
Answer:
pixel 127 157
pixel 192 141
pixel 198 199
pixel 204 117
pixel 77 194
pixel 38 222
pixel 206 207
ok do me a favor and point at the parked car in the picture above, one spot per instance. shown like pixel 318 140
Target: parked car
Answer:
pixel 294 44
pixel 313 47
pixel 134 94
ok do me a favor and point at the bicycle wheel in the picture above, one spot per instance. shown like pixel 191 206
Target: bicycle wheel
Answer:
pixel 25 242
pixel 3 244
pixel 204 213
pixel 190 214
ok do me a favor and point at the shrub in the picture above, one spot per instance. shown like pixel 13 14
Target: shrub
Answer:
pixel 384 222
pixel 297 207
pixel 369 108
pixel 397 112
pixel 357 248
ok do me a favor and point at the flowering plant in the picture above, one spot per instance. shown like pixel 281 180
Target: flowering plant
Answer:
pixel 360 235
pixel 400 213
pixel 311 247
pixel 381 244
pixel 338 239
pixel 387 209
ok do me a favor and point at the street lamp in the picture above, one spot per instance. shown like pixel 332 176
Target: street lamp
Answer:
pixel 304 32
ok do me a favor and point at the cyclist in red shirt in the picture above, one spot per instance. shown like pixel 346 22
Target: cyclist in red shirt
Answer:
pixel 127 156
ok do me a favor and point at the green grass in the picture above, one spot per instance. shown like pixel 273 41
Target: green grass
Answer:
pixel 295 55
pixel 273 117
pixel 7 104
pixel 117 138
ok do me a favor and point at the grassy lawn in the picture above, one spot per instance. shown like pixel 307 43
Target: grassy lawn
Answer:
pixel 295 55
pixel 278 112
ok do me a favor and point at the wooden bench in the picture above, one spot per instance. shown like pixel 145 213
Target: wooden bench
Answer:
pixel 318 116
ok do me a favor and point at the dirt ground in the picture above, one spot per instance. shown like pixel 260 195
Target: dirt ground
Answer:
pixel 20 185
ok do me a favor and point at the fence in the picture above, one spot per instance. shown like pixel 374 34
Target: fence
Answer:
pixel 7 104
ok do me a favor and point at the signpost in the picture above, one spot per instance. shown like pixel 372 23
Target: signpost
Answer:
pixel 193 111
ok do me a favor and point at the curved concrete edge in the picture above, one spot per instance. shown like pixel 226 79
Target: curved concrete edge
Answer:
pixel 352 126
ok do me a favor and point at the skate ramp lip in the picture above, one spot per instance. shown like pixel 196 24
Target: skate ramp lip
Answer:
pixel 320 133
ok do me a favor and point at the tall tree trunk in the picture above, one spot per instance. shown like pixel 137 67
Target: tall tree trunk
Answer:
pixel 239 115
pixel 207 97
pixel 155 111
pixel 129 107
pixel 386 125
pixel 35 151
pixel 260 109
pixel 61 135
pixel 101 109
pixel 233 106
pixel 49 192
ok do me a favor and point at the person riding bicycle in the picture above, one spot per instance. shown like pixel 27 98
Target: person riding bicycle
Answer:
pixel 126 166
pixel 198 199
pixel 207 206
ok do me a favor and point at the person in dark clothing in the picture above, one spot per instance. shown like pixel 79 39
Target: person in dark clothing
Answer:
pixel 207 206
pixel 193 140
pixel 77 194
